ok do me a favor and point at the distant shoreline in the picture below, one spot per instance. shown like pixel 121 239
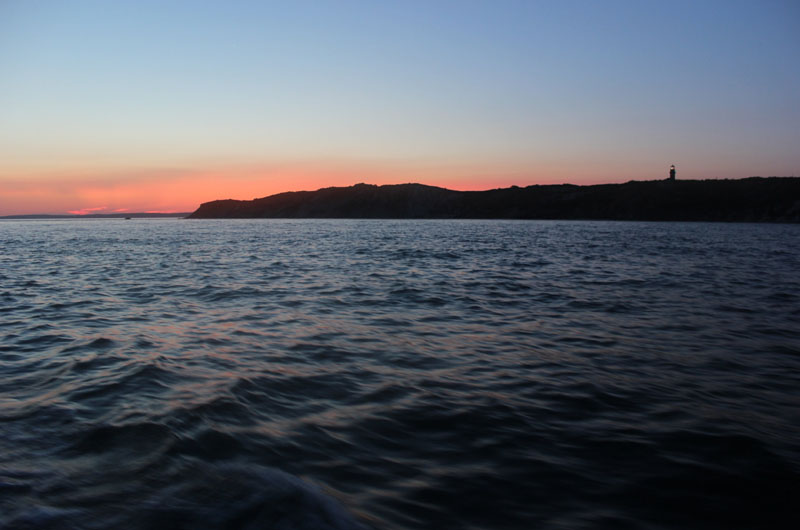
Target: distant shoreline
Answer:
pixel 97 216
pixel 754 199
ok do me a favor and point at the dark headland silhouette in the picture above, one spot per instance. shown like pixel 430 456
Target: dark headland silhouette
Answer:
pixel 754 199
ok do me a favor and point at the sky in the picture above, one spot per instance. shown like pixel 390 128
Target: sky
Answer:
pixel 134 106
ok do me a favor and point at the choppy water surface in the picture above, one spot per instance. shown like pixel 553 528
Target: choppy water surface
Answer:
pixel 398 374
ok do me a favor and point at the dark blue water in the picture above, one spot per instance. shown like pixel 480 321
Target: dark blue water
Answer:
pixel 399 375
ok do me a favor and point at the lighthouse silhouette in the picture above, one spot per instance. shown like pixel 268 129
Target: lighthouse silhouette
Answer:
pixel 672 172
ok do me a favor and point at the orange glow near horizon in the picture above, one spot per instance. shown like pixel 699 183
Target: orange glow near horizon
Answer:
pixel 181 190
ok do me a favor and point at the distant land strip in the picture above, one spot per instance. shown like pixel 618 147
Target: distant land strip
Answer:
pixel 143 215
pixel 754 199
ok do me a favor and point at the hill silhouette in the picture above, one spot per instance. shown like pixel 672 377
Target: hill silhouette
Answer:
pixel 754 199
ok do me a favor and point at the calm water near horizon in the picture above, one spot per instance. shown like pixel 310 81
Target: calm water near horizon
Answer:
pixel 378 374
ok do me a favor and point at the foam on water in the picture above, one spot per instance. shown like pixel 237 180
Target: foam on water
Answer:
pixel 398 374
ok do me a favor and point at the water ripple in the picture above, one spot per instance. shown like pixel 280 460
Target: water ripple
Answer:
pixel 399 374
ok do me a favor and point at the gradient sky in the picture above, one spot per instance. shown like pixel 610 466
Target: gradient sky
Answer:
pixel 161 105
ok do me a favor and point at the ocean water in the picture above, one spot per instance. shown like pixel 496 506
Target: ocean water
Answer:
pixel 338 374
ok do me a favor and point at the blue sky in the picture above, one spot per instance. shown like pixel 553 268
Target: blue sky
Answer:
pixel 260 97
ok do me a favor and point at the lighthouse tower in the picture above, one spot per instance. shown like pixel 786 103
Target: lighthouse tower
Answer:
pixel 672 172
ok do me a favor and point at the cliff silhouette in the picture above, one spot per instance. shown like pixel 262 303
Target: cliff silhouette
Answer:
pixel 754 199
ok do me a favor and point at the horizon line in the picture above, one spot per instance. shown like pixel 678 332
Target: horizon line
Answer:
pixel 98 212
